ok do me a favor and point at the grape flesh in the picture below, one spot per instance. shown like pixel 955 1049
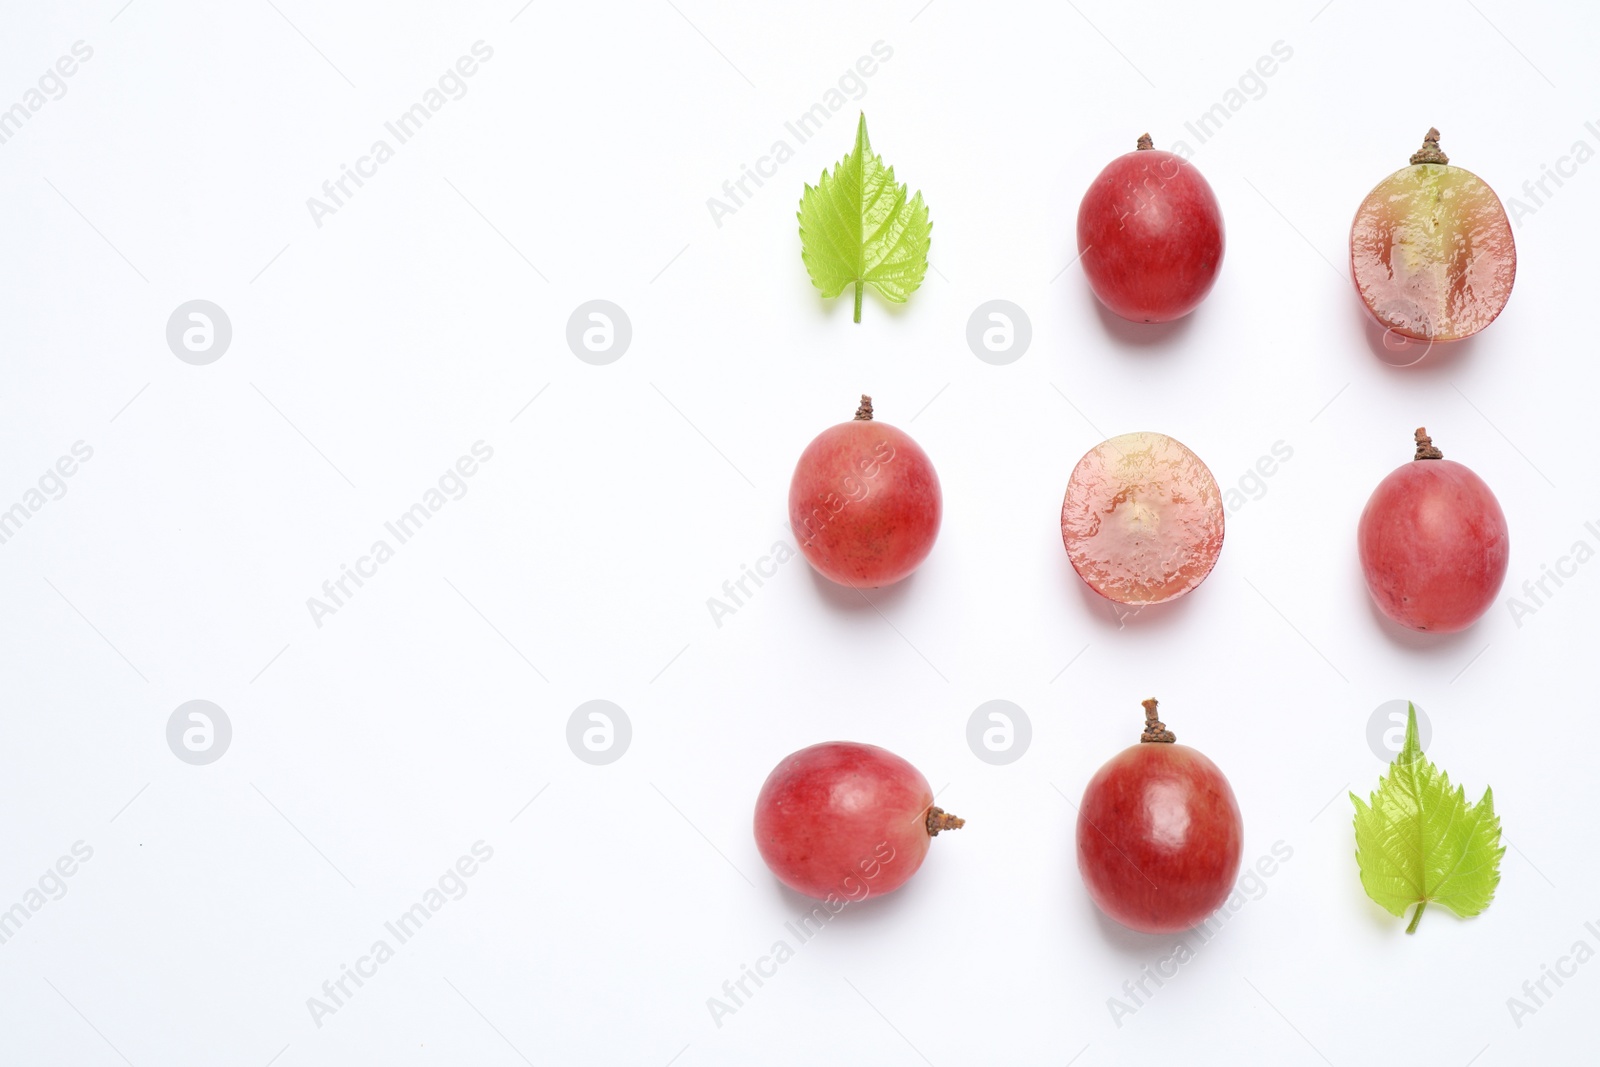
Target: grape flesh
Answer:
pixel 1159 837
pixel 1142 520
pixel 864 502
pixel 1434 545
pixel 1150 235
pixel 846 820
pixel 1431 251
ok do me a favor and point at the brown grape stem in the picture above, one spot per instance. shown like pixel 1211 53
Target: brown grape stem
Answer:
pixel 939 819
pixel 1155 731
pixel 1430 152
pixel 864 412
pixel 1425 448
pixel 1416 917
pixel 1145 143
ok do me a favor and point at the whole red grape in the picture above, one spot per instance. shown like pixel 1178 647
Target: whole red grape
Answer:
pixel 1159 834
pixel 1431 251
pixel 864 502
pixel 1150 235
pixel 1434 544
pixel 846 820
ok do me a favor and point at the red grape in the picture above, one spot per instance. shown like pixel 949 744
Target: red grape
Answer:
pixel 1431 250
pixel 1159 834
pixel 1150 235
pixel 846 820
pixel 864 502
pixel 1434 545
pixel 1142 519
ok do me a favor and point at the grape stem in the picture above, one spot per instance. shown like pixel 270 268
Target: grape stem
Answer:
pixel 1425 447
pixel 1145 143
pixel 939 819
pixel 1155 731
pixel 858 299
pixel 1429 152
pixel 1416 917
pixel 864 412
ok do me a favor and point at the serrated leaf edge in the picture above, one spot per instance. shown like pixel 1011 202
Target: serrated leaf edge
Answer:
pixel 883 274
pixel 1410 752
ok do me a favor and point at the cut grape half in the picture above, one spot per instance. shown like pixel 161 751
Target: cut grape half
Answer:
pixel 1142 519
pixel 1431 250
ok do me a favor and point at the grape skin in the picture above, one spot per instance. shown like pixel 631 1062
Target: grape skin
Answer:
pixel 1159 837
pixel 865 504
pixel 1150 236
pixel 843 819
pixel 1434 546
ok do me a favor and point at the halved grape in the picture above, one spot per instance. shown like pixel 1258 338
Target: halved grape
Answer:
pixel 1142 519
pixel 1431 250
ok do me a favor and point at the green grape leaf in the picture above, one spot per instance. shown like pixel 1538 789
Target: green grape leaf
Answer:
pixel 1419 841
pixel 856 225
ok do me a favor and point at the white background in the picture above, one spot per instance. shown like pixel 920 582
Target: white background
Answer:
pixel 369 353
